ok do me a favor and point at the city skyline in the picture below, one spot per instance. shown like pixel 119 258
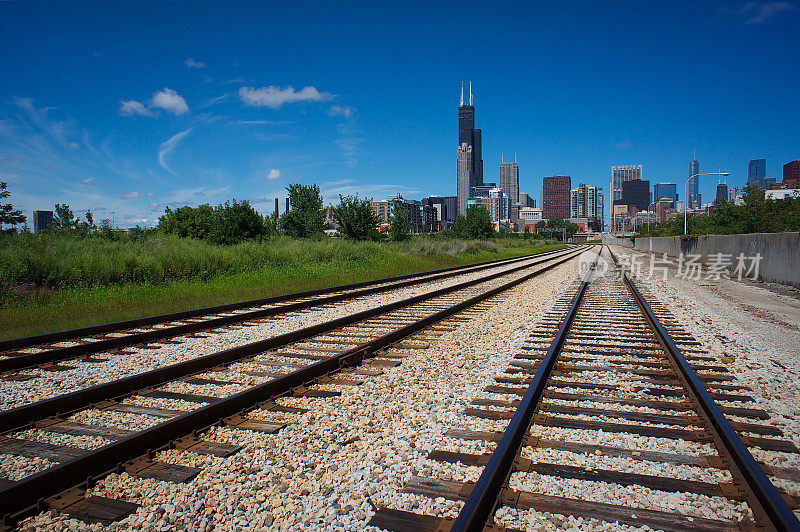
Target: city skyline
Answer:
pixel 95 116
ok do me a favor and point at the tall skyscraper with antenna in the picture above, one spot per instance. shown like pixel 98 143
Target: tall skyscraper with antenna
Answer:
pixel 692 190
pixel 469 165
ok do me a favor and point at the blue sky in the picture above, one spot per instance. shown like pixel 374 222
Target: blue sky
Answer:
pixel 131 106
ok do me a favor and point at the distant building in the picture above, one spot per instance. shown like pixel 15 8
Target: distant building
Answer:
pixel 636 194
pixel 527 201
pixel 783 193
pixel 620 174
pixel 41 220
pixel 764 183
pixel 555 196
pixel 381 209
pixel 509 180
pixel 445 208
pixel 735 196
pixel 470 162
pixel 665 190
pixel 722 192
pixel 587 202
pixel 530 215
pixel 791 173
pixel 497 203
pixel 756 169
pixel 693 186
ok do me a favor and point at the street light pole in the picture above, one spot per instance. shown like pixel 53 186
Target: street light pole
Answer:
pixel 686 197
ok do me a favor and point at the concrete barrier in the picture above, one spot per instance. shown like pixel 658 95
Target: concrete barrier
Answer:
pixel 780 252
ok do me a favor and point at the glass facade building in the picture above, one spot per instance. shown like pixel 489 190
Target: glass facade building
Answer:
pixel 692 192
pixel 756 169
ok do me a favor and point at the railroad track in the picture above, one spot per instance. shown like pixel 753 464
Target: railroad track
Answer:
pixel 611 418
pixel 132 418
pixel 49 351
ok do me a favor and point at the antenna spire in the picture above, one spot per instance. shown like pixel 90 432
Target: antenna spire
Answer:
pixel 470 94
pixel 462 95
pixel 515 157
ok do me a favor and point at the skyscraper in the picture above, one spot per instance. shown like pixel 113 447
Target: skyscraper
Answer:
pixel 692 198
pixel 509 180
pixel 636 193
pixel 470 174
pixel 555 196
pixel 620 174
pixel 756 169
pixel 791 173
pixel 665 190
pixel 722 192
pixel 526 201
pixel 587 202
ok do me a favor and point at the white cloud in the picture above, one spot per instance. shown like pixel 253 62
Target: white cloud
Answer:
pixel 273 174
pixel 341 110
pixel 74 145
pixel 132 107
pixel 167 146
pixel 755 13
pixel 191 63
pixel 275 97
pixel 169 100
pixel 131 195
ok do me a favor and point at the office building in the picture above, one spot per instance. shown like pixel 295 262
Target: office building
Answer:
pixel 469 159
pixel 509 180
pixel 555 196
pixel 620 174
pixel 41 220
pixel 791 173
pixel 497 203
pixel 445 207
pixel 586 202
pixel 666 190
pixel 482 191
pixel 722 192
pixel 756 169
pixel 636 194
pixel 735 196
pixel 530 215
pixel 764 183
pixel 692 191
pixel 526 201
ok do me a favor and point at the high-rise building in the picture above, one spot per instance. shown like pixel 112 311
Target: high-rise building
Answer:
pixel 756 169
pixel 41 219
pixel 509 180
pixel 791 173
pixel 636 193
pixel 555 196
pixel 692 192
pixel 526 201
pixel 764 183
pixel 665 190
pixel 722 191
pixel 620 174
pixel 587 202
pixel 470 163
pixel 735 196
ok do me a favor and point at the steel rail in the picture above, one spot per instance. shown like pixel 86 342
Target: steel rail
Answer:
pixel 61 353
pixel 27 496
pixel 61 405
pixel 767 501
pixel 482 500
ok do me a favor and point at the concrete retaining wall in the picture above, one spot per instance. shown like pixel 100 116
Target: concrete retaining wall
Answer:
pixel 780 252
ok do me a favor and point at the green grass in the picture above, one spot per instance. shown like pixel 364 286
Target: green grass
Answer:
pixel 63 282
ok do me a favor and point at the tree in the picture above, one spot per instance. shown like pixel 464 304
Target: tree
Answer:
pixel 234 222
pixel 399 226
pixel 9 215
pixel 64 219
pixel 476 225
pixel 194 222
pixel 305 218
pixel 355 217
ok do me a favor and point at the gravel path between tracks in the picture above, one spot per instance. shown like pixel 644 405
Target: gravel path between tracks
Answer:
pixel 330 467
pixel 46 384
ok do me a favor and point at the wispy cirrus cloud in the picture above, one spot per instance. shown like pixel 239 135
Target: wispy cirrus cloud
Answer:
pixel 754 13
pixel 276 97
pixel 168 146
pixel 191 63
